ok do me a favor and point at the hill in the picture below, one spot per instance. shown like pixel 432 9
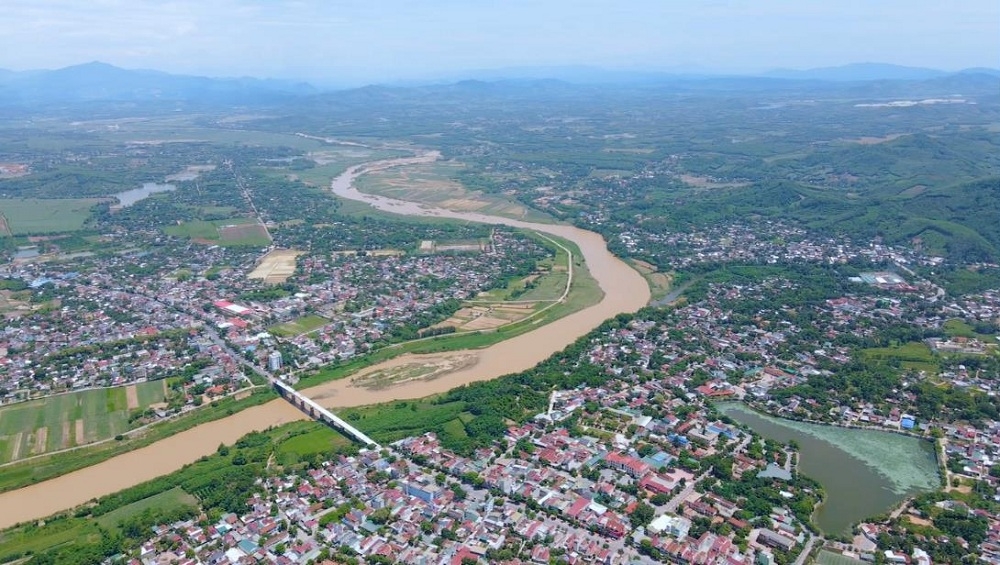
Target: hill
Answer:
pixel 100 82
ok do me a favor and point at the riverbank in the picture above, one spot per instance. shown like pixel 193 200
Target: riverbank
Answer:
pixel 624 291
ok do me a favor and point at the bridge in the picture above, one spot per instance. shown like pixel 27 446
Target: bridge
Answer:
pixel 317 412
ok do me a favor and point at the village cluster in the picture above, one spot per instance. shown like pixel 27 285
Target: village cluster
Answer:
pixel 85 323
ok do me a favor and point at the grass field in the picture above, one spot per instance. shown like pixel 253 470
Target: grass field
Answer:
pixel 829 558
pixel 395 420
pixel 231 232
pixel 958 328
pixel 35 215
pixel 308 439
pixel 298 326
pixel 167 500
pixel 68 420
pixel 914 355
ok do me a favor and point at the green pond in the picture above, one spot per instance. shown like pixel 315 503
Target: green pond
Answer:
pixel 864 472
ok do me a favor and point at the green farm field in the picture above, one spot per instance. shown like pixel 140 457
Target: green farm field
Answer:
pixel 44 215
pixel 232 232
pixel 68 420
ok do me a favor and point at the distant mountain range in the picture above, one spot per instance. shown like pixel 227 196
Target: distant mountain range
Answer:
pixel 96 81
pixel 100 82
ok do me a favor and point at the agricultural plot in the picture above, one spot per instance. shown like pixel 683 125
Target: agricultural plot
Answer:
pixel 35 215
pixel 477 318
pixel 68 420
pixel 234 232
pixel 276 266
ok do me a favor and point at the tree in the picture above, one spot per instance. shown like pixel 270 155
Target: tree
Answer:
pixel 642 514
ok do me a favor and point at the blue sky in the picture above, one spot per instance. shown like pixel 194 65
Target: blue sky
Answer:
pixel 386 40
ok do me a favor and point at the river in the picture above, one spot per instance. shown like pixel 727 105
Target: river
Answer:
pixel 624 291
pixel 864 472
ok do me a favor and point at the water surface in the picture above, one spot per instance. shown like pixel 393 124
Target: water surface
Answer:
pixel 130 197
pixel 864 472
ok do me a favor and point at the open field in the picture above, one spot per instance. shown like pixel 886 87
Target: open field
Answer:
pixel 308 439
pixel 276 266
pixel 395 420
pixel 67 420
pixel 958 328
pixel 916 356
pixel 660 284
pixel 408 369
pixel 235 232
pixel 37 215
pixel 705 182
pixel 15 303
pixel 244 234
pixel 165 501
pixel 299 326
pixel 23 473
pixel 436 184
pixel 830 558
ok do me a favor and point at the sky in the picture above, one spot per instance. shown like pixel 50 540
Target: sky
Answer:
pixel 350 41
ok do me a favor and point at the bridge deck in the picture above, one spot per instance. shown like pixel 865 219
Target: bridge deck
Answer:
pixel 325 414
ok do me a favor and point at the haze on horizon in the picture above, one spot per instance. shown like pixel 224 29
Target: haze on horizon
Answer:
pixel 357 41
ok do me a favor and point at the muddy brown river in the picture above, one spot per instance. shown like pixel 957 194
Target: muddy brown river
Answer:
pixel 624 291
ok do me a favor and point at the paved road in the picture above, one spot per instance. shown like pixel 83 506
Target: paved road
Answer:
pixel 801 559
pixel 674 502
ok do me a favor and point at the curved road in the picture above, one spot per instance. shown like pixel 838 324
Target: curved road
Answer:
pixel 624 291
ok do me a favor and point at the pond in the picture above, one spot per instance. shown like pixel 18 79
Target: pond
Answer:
pixel 130 197
pixel 864 472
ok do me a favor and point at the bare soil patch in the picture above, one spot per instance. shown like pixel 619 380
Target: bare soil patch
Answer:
pixel 644 266
pixel 919 521
pixel 16 453
pixel 486 317
pixel 41 436
pixel 64 440
pixel 80 432
pixel 877 140
pixel 423 368
pixel 706 182
pixel 132 397
pixel 660 280
pixel 276 266
pixel 242 232
pixel 485 323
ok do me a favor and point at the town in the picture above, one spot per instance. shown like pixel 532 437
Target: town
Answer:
pixel 643 466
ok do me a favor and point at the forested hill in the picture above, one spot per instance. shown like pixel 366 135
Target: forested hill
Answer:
pixel 960 221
